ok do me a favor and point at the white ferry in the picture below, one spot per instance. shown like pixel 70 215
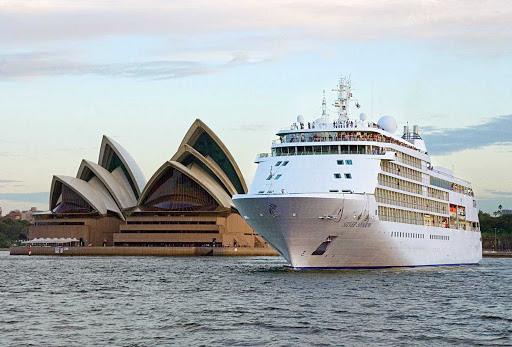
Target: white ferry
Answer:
pixel 348 194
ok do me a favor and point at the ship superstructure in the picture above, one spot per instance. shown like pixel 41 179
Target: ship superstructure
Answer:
pixel 348 193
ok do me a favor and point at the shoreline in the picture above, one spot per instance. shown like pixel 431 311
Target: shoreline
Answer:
pixel 493 254
pixel 170 251
pixel 145 251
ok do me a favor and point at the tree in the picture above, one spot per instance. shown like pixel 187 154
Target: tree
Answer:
pixel 12 231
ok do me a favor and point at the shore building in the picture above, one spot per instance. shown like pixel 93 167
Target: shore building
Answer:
pixel 187 201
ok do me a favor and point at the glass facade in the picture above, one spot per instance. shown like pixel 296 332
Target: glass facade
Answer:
pixel 208 147
pixel 440 183
pixel 175 191
pixel 71 203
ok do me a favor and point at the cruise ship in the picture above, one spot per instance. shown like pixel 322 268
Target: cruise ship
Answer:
pixel 344 193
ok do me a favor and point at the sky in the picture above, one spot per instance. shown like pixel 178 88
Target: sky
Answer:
pixel 142 71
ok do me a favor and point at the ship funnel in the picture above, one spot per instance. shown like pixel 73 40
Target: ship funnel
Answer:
pixel 406 132
pixel 415 131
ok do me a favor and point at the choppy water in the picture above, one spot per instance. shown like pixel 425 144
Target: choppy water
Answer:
pixel 139 301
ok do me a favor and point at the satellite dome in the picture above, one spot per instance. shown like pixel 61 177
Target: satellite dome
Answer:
pixel 321 122
pixel 300 118
pixel 387 123
pixel 362 116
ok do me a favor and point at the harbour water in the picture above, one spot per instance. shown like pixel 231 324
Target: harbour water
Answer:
pixel 248 301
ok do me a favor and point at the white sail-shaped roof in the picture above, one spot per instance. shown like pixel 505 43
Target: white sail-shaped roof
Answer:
pixel 187 155
pixel 201 138
pixel 123 197
pixel 93 192
pixel 109 152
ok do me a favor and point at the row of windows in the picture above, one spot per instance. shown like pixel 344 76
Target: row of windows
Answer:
pixel 60 223
pixel 438 182
pixel 278 176
pixel 440 237
pixel 347 176
pixel 414 175
pixel 400 216
pixel 392 182
pixel 409 235
pixel 405 200
pixel 343 162
pixel 396 215
pixel 171 222
pixel 438 194
pixel 169 231
pixel 399 170
pixel 334 149
pixel 408 159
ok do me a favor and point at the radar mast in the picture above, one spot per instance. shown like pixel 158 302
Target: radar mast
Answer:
pixel 344 96
pixel 324 106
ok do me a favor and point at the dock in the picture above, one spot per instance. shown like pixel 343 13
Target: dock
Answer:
pixel 493 254
pixel 145 251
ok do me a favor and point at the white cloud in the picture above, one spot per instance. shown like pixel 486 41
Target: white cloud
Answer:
pixel 49 64
pixel 471 20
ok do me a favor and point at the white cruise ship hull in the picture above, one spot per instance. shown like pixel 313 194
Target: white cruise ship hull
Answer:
pixel 342 231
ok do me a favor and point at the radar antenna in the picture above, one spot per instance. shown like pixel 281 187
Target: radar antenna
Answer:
pixel 344 96
pixel 324 107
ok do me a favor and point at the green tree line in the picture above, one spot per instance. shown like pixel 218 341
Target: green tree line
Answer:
pixel 496 231
pixel 502 223
pixel 12 231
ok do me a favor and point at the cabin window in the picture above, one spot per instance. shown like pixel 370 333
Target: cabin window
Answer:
pixel 348 162
pixel 278 177
pixel 337 175
pixel 285 163
pixel 269 177
pixel 340 162
pixel 348 176
pixel 278 163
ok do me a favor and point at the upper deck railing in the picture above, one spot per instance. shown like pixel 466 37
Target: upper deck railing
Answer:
pixel 330 136
pixel 337 124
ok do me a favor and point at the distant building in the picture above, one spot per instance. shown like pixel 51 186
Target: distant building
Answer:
pixel 14 214
pixel 506 212
pixel 187 202
pixel 29 215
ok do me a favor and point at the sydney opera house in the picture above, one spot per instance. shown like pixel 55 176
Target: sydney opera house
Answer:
pixel 187 201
